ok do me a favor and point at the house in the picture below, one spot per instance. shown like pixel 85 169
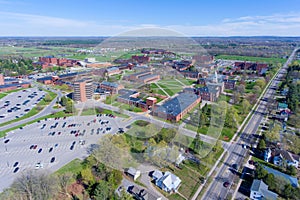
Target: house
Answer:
pixel 142 194
pixel 167 182
pixel 267 154
pixel 190 74
pixel 282 157
pixel 290 179
pixel 133 173
pixel 140 59
pixel 259 190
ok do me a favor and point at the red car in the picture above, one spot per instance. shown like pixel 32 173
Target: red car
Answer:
pixel 76 134
pixel 35 146
pixel 226 184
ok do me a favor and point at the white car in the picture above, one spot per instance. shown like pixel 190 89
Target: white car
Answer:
pixel 39 165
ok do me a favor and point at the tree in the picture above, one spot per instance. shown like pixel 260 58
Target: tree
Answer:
pixel 261 144
pixel 261 83
pixel 260 172
pixel 64 101
pixel 35 185
pixel 270 181
pixel 48 98
pixel 69 107
pixel 291 170
pixel 257 89
pixel 236 97
pixel 232 117
pixel 245 106
pixel 64 87
pixel 87 176
pixel 273 133
pixel 100 191
pixel 63 181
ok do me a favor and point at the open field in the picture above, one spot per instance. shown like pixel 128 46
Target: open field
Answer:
pixel 250 58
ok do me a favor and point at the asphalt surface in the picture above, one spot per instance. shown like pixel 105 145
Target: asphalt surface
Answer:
pixel 46 111
pixel 216 189
pixel 14 104
pixel 17 149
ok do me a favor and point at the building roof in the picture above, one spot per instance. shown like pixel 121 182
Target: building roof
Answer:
pixel 292 180
pixel 132 171
pixel 110 84
pixel 157 174
pixel 209 89
pixel 13 84
pixel 170 180
pixel 262 188
pixel 177 104
pixel 285 154
pixel 148 76
pixel 45 78
pixel 110 69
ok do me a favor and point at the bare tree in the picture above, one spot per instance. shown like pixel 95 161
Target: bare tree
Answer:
pixel 63 182
pixel 34 186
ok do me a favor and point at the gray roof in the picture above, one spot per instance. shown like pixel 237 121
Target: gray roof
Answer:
pixel 110 84
pixel 178 104
pixel 262 188
pixel 147 76
pixel 112 69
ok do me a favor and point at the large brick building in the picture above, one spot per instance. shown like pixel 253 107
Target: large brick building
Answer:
pixel 1 79
pixel 113 88
pixel 175 108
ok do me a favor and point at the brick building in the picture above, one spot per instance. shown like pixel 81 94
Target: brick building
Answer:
pixel 112 87
pixel 175 108
pixel 83 90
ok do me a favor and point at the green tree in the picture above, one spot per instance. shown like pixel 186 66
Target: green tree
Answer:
pixel 273 133
pixel 69 107
pixel 100 191
pixel 48 98
pixel 260 172
pixel 261 83
pixel 291 170
pixel 64 101
pixel 245 106
pixel 261 144
pixel 256 89
pixel 232 117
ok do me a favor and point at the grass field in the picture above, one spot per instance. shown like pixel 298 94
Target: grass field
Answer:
pixel 74 167
pixel 250 58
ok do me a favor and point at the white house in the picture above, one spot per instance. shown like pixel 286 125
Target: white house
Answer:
pixel 166 181
pixel 282 157
pixel 259 190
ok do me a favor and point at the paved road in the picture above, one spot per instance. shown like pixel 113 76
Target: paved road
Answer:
pixel 216 190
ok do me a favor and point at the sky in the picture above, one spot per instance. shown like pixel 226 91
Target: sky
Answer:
pixel 116 17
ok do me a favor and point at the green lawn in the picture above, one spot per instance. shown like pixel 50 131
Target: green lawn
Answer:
pixel 156 89
pixel 74 167
pixel 250 58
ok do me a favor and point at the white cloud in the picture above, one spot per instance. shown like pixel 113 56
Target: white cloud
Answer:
pixel 21 24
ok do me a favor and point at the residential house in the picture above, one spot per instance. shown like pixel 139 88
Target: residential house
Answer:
pixel 112 71
pixel 167 182
pixel 259 191
pixel 267 154
pixel 282 157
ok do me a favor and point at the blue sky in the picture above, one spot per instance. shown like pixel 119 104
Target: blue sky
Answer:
pixel 112 17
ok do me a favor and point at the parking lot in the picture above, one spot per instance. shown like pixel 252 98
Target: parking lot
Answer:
pixel 17 104
pixel 51 143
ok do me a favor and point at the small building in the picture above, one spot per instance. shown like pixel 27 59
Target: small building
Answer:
pixel 190 74
pixel 130 97
pixel 259 190
pixel 208 93
pixel 167 182
pixel 14 86
pixel 133 173
pixel 282 106
pixel 151 101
